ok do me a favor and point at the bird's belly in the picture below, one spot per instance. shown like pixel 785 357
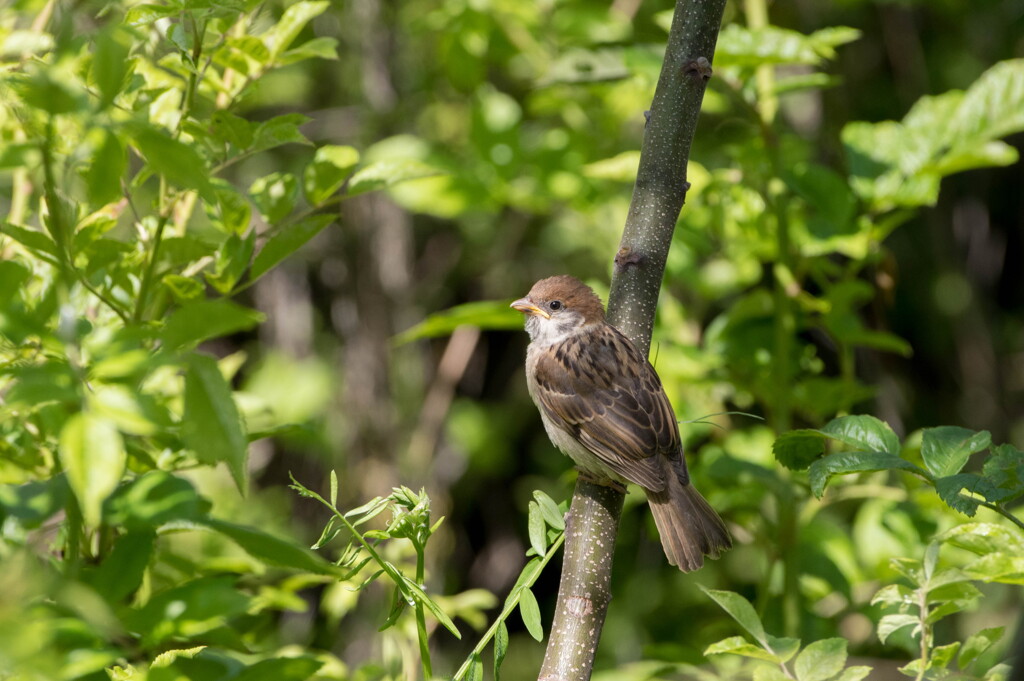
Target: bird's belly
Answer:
pixel 585 459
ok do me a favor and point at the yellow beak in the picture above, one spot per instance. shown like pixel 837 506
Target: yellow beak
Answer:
pixel 525 306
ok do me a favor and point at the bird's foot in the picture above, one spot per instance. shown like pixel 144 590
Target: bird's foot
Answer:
pixel 601 480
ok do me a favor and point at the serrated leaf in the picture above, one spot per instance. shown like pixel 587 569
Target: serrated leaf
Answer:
pixel 1004 468
pixel 529 610
pixel 942 655
pixel 500 648
pixel 865 433
pixel 797 449
pixel 737 645
pixel 946 449
pixel 893 623
pixel 894 594
pixel 212 427
pixel 290 239
pixel 196 322
pixel 783 647
pixel 950 490
pixel 740 609
pixel 845 463
pixel 93 456
pixel 821 660
pixel 549 509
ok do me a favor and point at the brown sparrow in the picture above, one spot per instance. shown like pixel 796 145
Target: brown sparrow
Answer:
pixel 602 404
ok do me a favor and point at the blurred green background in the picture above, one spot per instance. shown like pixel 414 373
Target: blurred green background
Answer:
pixel 533 112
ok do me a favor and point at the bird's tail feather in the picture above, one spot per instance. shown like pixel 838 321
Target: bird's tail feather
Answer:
pixel 690 529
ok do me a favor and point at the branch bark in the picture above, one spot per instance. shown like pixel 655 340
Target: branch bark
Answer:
pixel 584 591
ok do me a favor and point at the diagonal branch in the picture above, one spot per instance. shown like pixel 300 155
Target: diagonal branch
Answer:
pixel 660 191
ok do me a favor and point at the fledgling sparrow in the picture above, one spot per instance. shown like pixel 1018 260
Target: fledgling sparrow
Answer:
pixel 603 404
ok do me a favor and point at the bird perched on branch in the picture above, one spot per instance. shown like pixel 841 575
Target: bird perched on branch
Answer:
pixel 603 404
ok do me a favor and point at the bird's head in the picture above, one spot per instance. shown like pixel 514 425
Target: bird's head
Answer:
pixel 558 307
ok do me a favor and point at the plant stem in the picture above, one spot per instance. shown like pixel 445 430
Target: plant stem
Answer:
pixel 421 620
pixel 658 197
pixel 926 634
pixel 509 608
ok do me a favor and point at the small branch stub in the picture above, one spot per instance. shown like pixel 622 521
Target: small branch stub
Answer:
pixel 626 257
pixel 699 67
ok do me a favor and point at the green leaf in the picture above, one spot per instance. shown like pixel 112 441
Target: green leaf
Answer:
pixel 500 648
pixel 196 322
pixel 103 178
pixel 993 106
pixel 797 449
pixel 1004 468
pixel 387 174
pixel 93 456
pixel 977 644
pixel 998 567
pixel 12 277
pixel 110 63
pixel 51 90
pixel 740 609
pixel 893 623
pixel 489 314
pixel 279 130
pixel 121 571
pixel 231 262
pixel 742 46
pixel 821 660
pixel 845 463
pixel 737 645
pixel 317 48
pixel 275 195
pixel 178 162
pixel 185 290
pixel 212 427
pixel 784 648
pixel 854 673
pixel 290 239
pixel 34 502
pixel 270 549
pixel 296 668
pixel 154 499
pixel 949 490
pixel 329 169
pixel 416 591
pixel 982 538
pixel 232 129
pixel 280 35
pixel 865 433
pixel 529 610
pixel 232 212
pixel 476 668
pixel 549 509
pixel 537 530
pixel 946 449
pixel 32 239
pixel 187 611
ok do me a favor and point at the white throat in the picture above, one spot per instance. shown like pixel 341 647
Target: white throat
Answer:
pixel 544 332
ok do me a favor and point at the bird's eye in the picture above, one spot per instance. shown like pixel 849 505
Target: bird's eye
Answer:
pixel 555 305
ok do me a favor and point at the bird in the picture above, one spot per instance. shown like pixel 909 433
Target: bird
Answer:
pixel 603 404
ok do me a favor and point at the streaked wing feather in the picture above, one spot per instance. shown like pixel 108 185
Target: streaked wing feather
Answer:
pixel 604 393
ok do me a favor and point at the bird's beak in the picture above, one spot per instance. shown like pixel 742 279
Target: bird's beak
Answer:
pixel 526 307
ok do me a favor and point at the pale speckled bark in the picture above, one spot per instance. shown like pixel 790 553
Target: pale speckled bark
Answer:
pixel 660 191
